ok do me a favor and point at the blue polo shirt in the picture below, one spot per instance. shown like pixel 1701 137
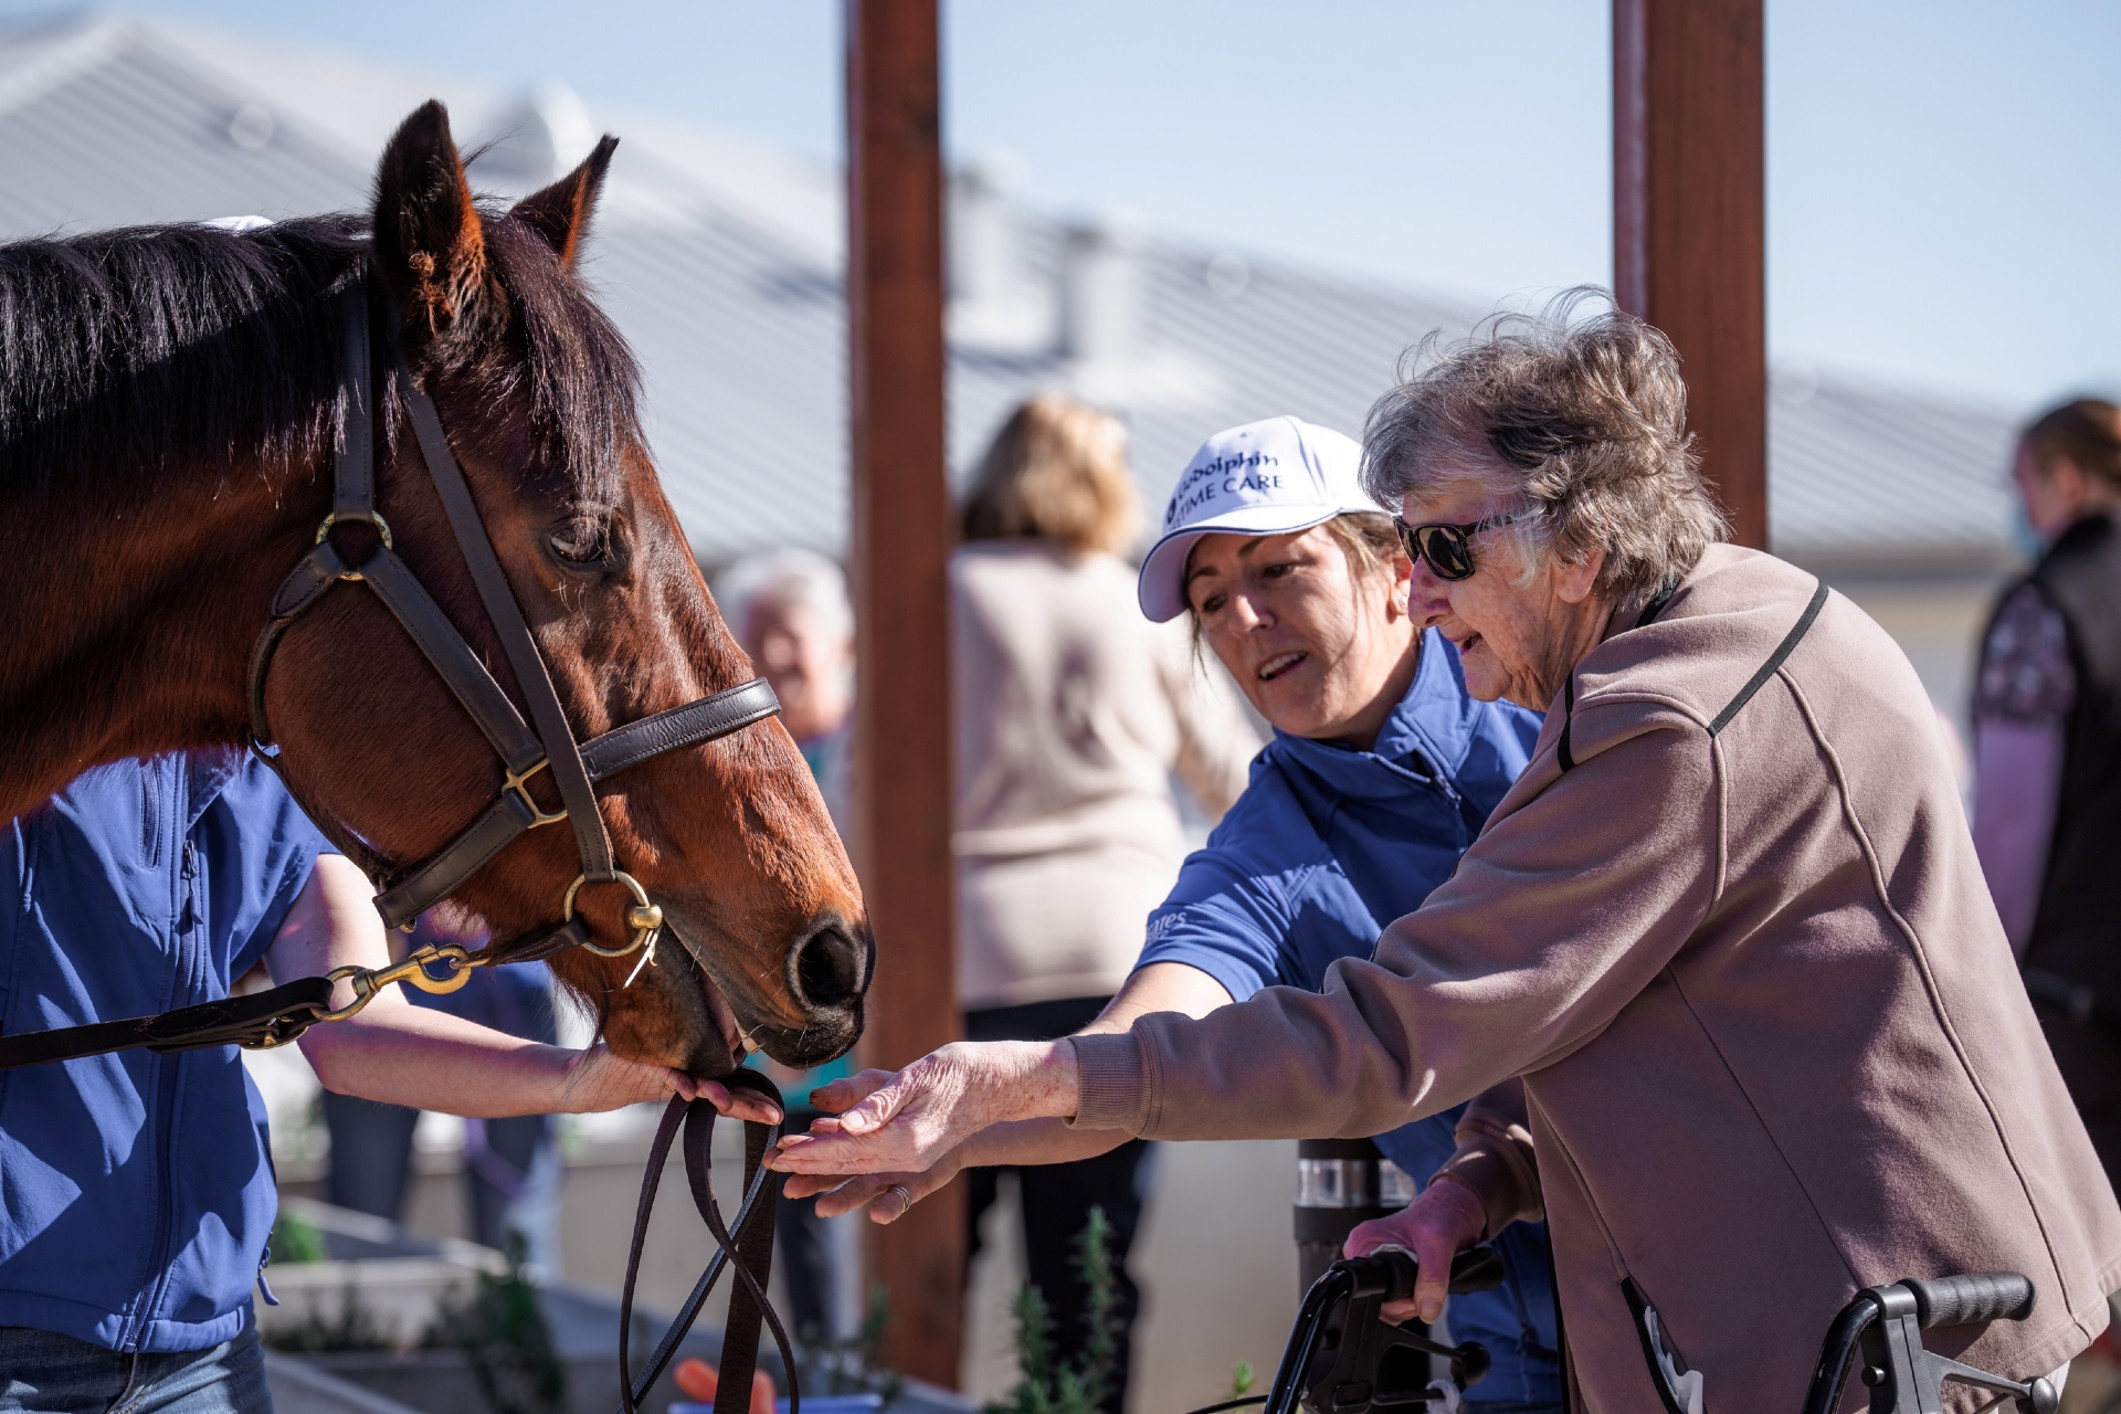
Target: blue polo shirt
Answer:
pixel 136 1190
pixel 1326 846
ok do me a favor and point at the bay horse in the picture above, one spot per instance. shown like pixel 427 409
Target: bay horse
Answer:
pixel 170 413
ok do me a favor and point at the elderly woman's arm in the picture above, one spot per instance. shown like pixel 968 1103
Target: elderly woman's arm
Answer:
pixel 1495 1161
pixel 1566 908
pixel 1159 986
pixel 1576 896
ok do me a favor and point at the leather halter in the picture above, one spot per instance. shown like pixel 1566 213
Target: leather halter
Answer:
pixel 545 743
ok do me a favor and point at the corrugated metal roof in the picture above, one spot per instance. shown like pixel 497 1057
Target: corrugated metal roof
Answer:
pixel 720 262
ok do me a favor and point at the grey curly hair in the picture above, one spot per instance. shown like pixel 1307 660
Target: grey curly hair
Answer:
pixel 1582 419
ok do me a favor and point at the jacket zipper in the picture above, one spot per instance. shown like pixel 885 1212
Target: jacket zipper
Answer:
pixel 186 925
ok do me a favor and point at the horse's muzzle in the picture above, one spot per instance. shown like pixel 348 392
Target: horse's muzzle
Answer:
pixel 828 970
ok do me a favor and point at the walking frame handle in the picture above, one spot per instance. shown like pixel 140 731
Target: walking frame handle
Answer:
pixel 1886 1324
pixel 1344 1358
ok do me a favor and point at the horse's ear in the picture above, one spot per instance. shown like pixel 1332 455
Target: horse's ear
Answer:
pixel 560 213
pixel 429 245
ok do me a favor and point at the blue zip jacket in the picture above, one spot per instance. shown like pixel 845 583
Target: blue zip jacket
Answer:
pixel 136 1190
pixel 1326 846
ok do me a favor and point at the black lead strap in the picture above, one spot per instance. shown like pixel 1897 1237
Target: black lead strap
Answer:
pixel 749 1240
pixel 259 1020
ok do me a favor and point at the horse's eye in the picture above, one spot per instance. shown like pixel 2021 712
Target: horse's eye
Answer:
pixel 583 541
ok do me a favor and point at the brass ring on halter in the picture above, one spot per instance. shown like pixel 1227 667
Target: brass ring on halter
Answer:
pixel 382 530
pixel 645 917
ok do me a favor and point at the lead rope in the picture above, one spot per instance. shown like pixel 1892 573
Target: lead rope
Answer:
pixel 751 1245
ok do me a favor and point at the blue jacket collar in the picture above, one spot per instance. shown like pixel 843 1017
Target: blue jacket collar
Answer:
pixel 1427 735
pixel 207 773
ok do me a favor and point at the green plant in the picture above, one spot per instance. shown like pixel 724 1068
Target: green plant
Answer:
pixel 354 1327
pixel 1241 1380
pixel 295 1240
pixel 855 1365
pixel 501 1328
pixel 1045 1383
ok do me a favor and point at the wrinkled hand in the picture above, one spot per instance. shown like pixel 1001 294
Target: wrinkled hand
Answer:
pixel 1444 1221
pixel 599 1079
pixel 909 1121
pixel 886 1196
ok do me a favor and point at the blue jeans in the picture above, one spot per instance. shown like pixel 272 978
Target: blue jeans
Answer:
pixel 45 1373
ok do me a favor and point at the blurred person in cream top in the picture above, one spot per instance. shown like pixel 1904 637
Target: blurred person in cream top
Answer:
pixel 1073 714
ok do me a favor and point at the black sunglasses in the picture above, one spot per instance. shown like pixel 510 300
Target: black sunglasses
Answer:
pixel 1448 548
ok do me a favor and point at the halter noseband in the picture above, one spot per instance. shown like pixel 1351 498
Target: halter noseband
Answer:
pixel 546 743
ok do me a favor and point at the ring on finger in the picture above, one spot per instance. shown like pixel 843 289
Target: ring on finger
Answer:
pixel 905 1195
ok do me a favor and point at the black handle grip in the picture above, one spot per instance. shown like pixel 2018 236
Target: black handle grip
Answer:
pixel 1475 1269
pixel 1971 1300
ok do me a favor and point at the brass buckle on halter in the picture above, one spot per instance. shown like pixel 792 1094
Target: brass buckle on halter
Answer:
pixel 645 918
pixel 367 982
pixel 382 530
pixel 538 815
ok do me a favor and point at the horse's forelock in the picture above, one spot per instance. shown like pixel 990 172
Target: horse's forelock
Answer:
pixel 584 382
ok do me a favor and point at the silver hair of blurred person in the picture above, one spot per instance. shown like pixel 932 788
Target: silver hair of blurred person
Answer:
pixel 1581 419
pixel 789 576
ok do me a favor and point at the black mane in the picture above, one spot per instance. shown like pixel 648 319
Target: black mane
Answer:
pixel 139 349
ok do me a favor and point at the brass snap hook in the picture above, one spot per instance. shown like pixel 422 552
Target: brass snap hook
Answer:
pixel 367 982
pixel 645 918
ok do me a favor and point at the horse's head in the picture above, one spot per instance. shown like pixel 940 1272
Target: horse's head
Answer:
pixel 537 394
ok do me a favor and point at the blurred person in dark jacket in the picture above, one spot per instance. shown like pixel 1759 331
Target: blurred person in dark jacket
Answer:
pixel 2047 754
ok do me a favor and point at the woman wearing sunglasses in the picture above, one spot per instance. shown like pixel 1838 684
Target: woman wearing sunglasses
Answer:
pixel 1729 928
pixel 1380 773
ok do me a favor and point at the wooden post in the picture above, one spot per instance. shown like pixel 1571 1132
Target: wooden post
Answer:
pixel 1689 202
pixel 901 547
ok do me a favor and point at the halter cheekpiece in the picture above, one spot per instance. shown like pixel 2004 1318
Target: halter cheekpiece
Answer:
pixel 544 744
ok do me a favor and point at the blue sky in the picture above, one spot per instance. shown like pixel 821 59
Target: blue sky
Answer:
pixel 1943 199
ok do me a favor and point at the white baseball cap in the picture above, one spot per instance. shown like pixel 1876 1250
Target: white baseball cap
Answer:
pixel 1264 478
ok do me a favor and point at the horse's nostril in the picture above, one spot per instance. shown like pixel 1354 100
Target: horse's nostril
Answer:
pixel 829 968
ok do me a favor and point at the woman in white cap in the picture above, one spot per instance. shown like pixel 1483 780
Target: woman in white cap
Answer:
pixel 1381 772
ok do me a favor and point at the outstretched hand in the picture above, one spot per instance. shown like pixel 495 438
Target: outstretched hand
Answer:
pixel 905 1122
pixel 886 1197
pixel 1444 1221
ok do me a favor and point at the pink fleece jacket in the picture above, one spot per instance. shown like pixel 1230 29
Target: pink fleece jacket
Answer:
pixel 1773 1043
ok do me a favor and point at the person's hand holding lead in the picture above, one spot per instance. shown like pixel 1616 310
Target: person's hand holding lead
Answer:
pixel 599 1078
pixel 908 1121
